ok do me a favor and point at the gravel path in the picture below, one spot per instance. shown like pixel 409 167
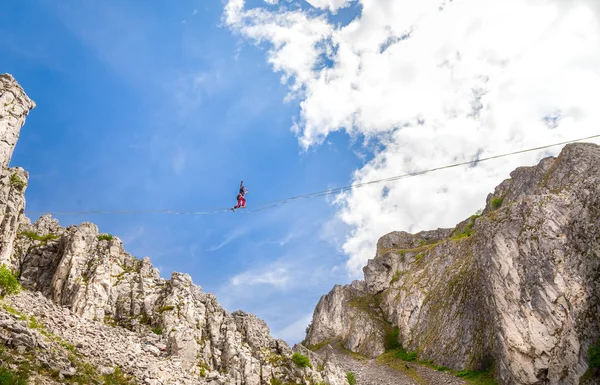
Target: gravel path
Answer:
pixel 369 372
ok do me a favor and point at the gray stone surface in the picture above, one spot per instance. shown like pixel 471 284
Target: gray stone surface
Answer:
pixel 14 107
pixel 517 289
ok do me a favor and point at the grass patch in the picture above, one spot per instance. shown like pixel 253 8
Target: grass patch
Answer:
pixel 158 331
pixel 366 303
pixel 12 310
pixel 351 378
pixel 275 359
pixel 33 323
pixel 105 237
pixel 9 377
pixel 9 284
pixel 319 346
pixel 594 356
pixel 37 237
pixel 396 276
pixel 390 359
pixel 117 378
pixel 402 354
pixel 68 346
pixel 593 371
pixel 301 360
pixel 477 377
pixel 467 229
pixel 496 203
pixel 17 182
pixel 166 308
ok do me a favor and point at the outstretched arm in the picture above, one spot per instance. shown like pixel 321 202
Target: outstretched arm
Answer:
pixel 241 184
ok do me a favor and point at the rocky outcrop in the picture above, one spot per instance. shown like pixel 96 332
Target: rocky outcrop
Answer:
pixel 516 289
pixel 14 107
pixel 13 183
pixel 91 294
pixel 91 275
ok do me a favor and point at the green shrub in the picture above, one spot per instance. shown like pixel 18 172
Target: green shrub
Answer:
pixel 404 355
pixel 166 308
pixel 496 203
pixel 36 237
pixel 117 378
pixel 301 360
pixel 351 378
pixel 157 330
pixel 594 355
pixel 396 276
pixel 17 182
pixel 8 377
pixel 276 381
pixel 9 284
pixel 391 339
pixel 105 237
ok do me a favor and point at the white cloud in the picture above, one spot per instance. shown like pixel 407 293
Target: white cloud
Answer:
pixel 434 82
pixel 332 5
pixel 278 277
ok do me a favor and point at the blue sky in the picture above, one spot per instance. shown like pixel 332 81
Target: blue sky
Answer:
pixel 155 105
pixel 168 105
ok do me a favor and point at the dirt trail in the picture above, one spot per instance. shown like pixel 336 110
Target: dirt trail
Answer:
pixel 369 372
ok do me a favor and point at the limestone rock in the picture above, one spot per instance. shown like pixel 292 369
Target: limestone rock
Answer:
pixel 13 183
pixel 14 107
pixel 516 289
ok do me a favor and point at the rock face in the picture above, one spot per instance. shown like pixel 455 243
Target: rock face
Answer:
pixel 90 274
pixel 516 289
pixel 91 294
pixel 14 107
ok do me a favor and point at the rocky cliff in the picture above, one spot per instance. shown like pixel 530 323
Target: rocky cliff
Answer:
pixel 514 289
pixel 14 107
pixel 92 313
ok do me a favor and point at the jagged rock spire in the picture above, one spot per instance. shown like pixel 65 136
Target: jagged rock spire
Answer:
pixel 14 107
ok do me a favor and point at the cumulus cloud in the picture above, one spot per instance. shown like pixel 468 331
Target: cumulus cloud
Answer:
pixel 433 82
pixel 332 5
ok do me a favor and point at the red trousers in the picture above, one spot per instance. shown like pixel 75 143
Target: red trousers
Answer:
pixel 241 202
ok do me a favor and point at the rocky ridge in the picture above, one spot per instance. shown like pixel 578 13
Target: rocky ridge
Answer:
pixel 89 307
pixel 514 290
